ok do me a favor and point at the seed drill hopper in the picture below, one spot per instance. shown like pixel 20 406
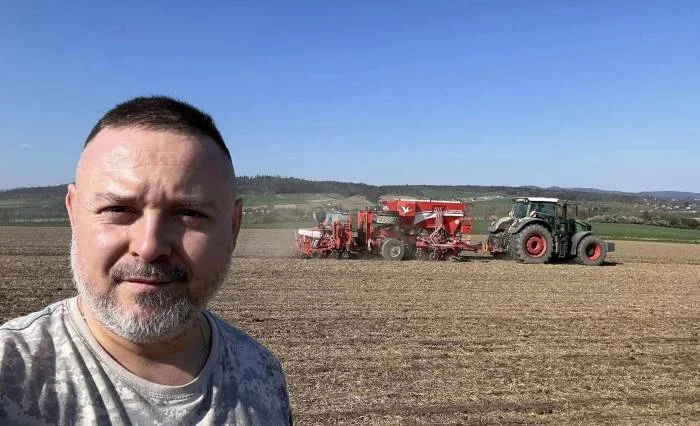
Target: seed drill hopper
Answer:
pixel 402 229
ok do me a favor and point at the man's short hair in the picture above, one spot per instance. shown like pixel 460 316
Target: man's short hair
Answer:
pixel 160 113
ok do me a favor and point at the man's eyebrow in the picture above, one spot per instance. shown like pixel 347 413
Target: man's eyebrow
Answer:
pixel 186 202
pixel 193 203
pixel 112 197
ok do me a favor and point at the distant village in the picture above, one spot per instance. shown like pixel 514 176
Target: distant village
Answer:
pixel 673 205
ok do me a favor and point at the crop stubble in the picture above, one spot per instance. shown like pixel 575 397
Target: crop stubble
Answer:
pixel 444 343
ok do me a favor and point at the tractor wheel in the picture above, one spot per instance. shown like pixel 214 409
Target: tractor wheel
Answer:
pixel 591 251
pixel 392 249
pixel 533 244
pixel 386 218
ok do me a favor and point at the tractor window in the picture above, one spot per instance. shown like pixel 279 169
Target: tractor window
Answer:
pixel 519 210
pixel 332 217
pixel 546 208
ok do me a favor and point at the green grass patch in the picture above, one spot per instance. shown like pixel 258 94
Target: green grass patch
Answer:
pixel 26 202
pixel 480 227
pixel 271 200
pixel 624 231
pixel 60 224
pixel 444 194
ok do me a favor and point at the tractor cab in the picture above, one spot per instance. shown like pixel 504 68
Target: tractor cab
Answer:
pixel 553 211
pixel 547 209
pixel 326 219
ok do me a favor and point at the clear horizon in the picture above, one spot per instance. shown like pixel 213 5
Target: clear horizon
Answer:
pixel 587 95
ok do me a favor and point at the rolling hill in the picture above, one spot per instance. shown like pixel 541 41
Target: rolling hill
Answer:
pixel 276 198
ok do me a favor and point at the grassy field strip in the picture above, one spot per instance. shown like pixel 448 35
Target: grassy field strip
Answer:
pixel 612 231
pixel 621 231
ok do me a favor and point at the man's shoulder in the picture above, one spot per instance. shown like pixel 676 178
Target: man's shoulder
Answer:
pixel 28 345
pixel 35 322
pixel 248 358
pixel 246 346
pixel 255 373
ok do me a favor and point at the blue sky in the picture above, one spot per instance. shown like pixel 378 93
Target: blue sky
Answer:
pixel 548 93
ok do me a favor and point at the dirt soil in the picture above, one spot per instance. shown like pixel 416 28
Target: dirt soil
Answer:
pixel 481 341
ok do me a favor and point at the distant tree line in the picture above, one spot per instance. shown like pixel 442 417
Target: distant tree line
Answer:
pixel 35 192
pixel 266 184
pixel 288 185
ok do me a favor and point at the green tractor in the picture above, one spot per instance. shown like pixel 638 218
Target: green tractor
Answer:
pixel 538 229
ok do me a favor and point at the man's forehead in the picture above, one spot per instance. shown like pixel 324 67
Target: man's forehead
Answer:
pixel 127 141
pixel 130 147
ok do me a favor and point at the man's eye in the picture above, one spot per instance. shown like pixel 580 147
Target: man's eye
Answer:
pixel 191 213
pixel 116 209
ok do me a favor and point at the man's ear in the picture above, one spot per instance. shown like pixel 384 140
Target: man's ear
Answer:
pixel 71 204
pixel 237 219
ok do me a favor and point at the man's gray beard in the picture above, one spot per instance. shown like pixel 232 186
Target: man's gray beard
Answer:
pixel 168 316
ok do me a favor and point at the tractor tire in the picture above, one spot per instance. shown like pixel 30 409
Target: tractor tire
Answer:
pixel 591 251
pixel 533 244
pixel 392 249
pixel 386 218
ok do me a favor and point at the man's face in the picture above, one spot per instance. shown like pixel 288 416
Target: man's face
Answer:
pixel 154 220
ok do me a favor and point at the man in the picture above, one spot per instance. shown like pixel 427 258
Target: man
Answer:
pixel 154 218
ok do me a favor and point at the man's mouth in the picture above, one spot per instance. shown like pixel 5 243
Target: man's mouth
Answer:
pixel 148 275
pixel 150 281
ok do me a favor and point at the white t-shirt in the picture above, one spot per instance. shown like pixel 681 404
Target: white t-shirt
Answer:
pixel 53 371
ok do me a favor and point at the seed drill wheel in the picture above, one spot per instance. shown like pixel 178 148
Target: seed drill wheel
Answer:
pixel 392 249
pixel 533 244
pixel 591 251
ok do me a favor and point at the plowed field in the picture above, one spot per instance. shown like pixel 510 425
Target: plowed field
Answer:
pixel 481 341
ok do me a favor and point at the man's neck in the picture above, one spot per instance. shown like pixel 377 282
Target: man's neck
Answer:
pixel 174 363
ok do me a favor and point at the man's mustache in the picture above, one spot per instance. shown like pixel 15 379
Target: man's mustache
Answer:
pixel 156 271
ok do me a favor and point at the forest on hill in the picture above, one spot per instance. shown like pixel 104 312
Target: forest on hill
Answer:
pixel 290 185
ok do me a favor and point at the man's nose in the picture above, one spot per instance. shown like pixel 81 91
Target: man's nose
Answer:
pixel 150 239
